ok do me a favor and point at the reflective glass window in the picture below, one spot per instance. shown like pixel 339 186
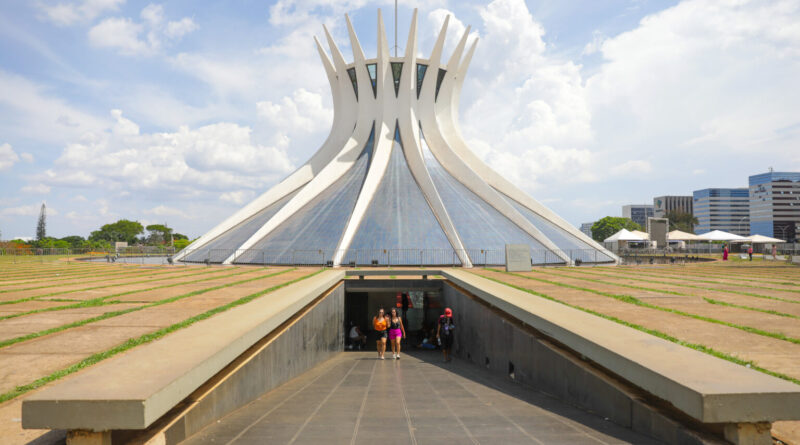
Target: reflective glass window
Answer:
pixel 399 227
pixel 311 235
pixel 439 79
pixel 565 241
pixel 352 73
pixel 372 69
pixel 480 226
pixel 224 245
pixel 421 68
pixel 397 70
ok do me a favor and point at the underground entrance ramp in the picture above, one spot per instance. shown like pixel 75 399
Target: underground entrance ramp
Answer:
pixel 355 398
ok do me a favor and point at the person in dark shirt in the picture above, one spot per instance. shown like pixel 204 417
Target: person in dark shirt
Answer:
pixel 444 333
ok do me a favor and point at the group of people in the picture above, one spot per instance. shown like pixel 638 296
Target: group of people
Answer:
pixel 725 252
pixel 390 327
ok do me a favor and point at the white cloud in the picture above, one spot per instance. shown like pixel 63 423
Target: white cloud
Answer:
pixel 143 38
pixel 69 13
pixel 27 210
pixel 40 189
pixel 153 14
pixel 634 167
pixel 188 162
pixel 121 34
pixel 238 197
pixel 162 210
pixel 27 157
pixel 178 29
pixel 33 106
pixel 531 120
pixel 8 157
pixel 595 45
pixel 703 78
pixel 544 164
pixel 224 75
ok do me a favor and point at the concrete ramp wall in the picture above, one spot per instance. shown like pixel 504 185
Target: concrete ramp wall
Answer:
pixel 490 338
pixel 311 337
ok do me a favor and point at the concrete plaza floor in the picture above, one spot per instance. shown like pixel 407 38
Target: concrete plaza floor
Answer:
pixel 355 398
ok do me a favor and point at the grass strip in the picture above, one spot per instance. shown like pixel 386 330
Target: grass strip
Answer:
pixel 112 314
pixel 635 301
pixel 101 301
pixel 749 308
pixel 697 278
pixel 734 272
pixel 66 277
pixel 698 347
pixel 40 272
pixel 151 273
pixel 632 286
pixel 146 338
pixel 36 297
pixel 635 277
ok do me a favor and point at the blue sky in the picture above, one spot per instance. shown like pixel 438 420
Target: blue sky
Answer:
pixel 182 111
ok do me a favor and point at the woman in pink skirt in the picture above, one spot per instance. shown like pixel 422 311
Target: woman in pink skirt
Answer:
pixel 396 332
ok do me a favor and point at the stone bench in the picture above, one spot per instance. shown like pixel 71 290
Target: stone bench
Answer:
pixel 708 389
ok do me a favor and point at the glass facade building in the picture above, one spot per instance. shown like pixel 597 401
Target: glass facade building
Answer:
pixel 665 204
pixel 638 213
pixel 775 205
pixel 726 209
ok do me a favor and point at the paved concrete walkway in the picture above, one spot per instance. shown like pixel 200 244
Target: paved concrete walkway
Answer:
pixel 355 398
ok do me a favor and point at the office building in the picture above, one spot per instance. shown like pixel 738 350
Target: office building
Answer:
pixel 586 228
pixel 726 209
pixel 638 213
pixel 775 205
pixel 665 204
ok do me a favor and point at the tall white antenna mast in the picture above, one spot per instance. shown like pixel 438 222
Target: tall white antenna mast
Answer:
pixel 395 28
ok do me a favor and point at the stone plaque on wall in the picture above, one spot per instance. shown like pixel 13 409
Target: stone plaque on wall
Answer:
pixel 518 258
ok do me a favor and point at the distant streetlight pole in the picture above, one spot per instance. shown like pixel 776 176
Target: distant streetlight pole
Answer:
pixel 739 226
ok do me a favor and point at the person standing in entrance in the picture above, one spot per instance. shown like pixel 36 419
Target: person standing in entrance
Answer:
pixel 396 333
pixel 444 333
pixel 380 324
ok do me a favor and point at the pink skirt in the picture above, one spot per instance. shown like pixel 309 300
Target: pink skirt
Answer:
pixel 395 333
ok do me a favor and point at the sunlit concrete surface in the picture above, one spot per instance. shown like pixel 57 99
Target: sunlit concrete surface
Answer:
pixel 355 398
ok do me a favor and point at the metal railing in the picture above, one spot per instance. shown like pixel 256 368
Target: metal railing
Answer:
pixel 387 257
pixel 318 257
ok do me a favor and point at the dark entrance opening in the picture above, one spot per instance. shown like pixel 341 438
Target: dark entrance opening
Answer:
pixel 418 302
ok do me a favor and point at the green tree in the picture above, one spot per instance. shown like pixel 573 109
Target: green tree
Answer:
pixel 122 230
pixel 41 224
pixel 180 244
pixel 610 225
pixel 74 241
pixel 159 234
pixel 682 221
pixel 177 236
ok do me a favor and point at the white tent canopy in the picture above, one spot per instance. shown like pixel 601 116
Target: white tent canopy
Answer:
pixel 719 235
pixel 677 235
pixel 624 235
pixel 760 239
pixel 644 235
